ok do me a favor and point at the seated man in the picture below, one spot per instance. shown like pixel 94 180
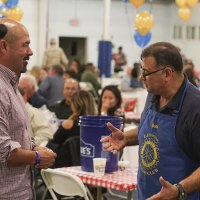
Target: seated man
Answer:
pixel 62 109
pixel 29 85
pixel 40 126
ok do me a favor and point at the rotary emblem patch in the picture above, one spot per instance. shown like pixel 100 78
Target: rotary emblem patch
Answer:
pixel 149 154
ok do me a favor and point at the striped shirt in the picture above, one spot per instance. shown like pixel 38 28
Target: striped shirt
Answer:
pixel 15 182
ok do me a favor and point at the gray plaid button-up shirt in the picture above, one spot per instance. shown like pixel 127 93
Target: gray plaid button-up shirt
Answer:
pixel 15 182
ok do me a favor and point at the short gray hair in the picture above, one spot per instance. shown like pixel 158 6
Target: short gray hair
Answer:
pixel 30 79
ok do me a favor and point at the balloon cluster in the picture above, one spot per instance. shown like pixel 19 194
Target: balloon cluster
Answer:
pixel 143 23
pixel 184 11
pixel 9 8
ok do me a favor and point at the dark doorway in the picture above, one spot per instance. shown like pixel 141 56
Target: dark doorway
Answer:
pixel 74 47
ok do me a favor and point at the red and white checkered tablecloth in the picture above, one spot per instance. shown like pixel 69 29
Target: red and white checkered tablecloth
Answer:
pixel 119 180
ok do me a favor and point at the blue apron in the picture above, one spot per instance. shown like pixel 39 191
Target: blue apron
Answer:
pixel 159 153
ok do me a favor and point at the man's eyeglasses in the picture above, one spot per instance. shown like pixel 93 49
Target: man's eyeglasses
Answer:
pixel 146 73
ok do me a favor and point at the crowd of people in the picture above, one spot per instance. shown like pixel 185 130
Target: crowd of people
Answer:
pixel 167 134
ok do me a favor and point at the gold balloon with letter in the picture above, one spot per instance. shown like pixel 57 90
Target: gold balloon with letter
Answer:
pixel 181 3
pixel 144 22
pixel 192 3
pixel 137 3
pixel 184 13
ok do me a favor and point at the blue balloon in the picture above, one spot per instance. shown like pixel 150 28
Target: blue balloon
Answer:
pixel 142 40
pixel 11 3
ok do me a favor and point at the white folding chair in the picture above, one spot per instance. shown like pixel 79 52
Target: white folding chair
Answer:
pixel 65 184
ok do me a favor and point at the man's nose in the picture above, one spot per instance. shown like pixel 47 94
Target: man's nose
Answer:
pixel 30 52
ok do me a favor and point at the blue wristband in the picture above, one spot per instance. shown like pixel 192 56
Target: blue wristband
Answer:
pixel 37 159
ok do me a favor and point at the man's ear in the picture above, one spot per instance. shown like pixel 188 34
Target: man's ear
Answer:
pixel 169 73
pixel 3 46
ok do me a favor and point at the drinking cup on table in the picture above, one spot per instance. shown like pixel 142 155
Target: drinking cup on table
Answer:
pixel 99 165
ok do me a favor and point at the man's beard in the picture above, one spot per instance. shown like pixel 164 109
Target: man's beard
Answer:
pixel 24 69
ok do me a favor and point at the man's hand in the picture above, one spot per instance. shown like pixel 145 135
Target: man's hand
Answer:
pixel 38 148
pixel 47 157
pixel 115 141
pixel 167 192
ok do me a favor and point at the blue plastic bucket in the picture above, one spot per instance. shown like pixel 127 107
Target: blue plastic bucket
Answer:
pixel 92 129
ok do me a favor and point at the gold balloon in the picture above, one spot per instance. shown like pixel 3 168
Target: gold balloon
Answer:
pixel 137 3
pixel 15 13
pixel 184 13
pixel 192 3
pixel 144 22
pixel 181 3
pixel 3 1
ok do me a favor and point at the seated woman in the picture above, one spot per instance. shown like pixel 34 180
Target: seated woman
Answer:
pixel 82 103
pixel 110 101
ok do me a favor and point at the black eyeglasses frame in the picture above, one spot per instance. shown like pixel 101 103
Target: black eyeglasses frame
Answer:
pixel 149 73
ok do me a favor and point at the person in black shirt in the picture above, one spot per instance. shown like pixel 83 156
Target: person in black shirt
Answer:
pixel 62 109
pixel 82 103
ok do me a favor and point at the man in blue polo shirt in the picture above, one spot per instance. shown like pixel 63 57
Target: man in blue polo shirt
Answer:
pixel 168 134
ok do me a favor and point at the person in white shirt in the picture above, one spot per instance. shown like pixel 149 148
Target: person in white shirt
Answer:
pixel 40 126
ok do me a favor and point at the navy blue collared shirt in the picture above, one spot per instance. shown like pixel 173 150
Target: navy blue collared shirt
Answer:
pixel 188 123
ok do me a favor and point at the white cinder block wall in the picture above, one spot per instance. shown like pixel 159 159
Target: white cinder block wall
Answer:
pixel 90 15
